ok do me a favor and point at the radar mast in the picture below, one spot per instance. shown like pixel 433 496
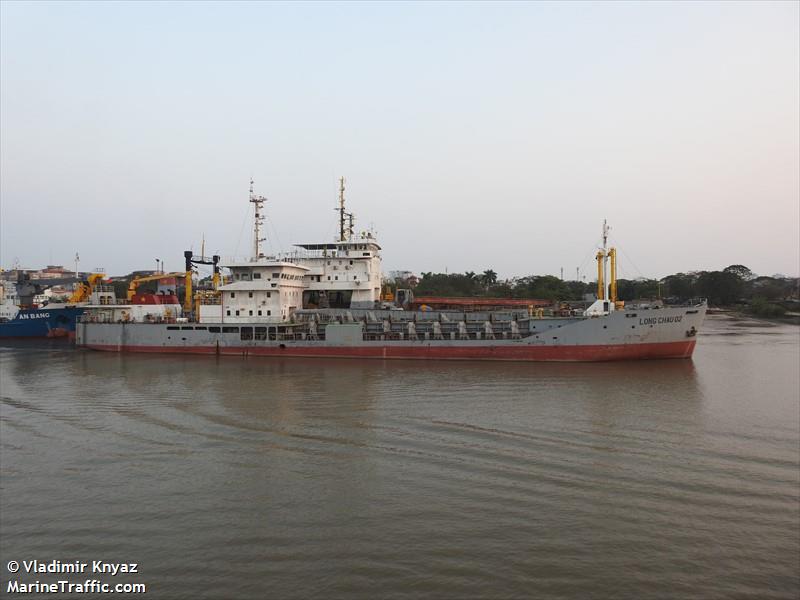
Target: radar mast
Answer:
pixel 258 221
pixel 342 214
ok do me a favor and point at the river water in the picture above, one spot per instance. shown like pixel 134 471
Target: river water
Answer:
pixel 301 478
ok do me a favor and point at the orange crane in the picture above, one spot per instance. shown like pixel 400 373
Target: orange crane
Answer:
pixel 84 289
pixel 137 280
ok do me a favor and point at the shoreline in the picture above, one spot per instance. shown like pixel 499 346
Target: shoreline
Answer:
pixel 736 313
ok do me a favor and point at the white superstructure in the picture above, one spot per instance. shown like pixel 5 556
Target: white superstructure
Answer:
pixel 345 273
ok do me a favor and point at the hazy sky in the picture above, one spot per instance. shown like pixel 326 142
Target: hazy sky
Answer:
pixel 472 136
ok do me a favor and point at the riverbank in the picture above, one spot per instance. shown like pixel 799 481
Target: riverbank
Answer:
pixel 789 318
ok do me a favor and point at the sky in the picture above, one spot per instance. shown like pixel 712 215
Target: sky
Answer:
pixel 471 135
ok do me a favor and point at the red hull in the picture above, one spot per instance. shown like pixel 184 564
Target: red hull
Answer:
pixel 516 353
pixel 58 332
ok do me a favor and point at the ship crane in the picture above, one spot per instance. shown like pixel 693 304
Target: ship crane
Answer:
pixel 138 280
pixel 607 299
pixel 85 288
pixel 192 260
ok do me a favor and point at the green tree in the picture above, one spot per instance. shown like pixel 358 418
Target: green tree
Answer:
pixel 760 307
pixel 770 288
pixel 740 271
pixel 637 289
pixel 680 285
pixel 489 278
pixel 720 287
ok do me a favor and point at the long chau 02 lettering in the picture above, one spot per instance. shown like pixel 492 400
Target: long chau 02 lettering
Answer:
pixel 660 320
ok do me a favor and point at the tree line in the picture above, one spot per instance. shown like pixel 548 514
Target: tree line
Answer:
pixel 732 285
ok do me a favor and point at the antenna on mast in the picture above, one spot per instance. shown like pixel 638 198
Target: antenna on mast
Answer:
pixel 258 221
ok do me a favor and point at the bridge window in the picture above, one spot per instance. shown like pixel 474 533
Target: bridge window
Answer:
pixel 230 330
pixel 250 294
pixel 247 333
pixel 233 294
pixel 213 330
pixel 256 275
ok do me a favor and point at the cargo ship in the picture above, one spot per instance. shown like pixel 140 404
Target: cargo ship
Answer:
pixel 325 300
pixel 21 318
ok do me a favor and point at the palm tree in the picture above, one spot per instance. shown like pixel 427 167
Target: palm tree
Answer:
pixel 470 275
pixel 489 277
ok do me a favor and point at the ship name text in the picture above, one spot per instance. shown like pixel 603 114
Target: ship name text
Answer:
pixel 660 320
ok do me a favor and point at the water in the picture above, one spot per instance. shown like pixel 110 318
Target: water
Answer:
pixel 269 478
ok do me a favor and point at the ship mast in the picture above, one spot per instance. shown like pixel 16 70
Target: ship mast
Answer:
pixel 258 221
pixel 342 214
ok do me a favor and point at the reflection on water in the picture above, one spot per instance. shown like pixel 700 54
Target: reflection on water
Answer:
pixel 230 477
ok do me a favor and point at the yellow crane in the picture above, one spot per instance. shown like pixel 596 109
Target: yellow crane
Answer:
pixel 137 280
pixel 84 289
pixel 387 294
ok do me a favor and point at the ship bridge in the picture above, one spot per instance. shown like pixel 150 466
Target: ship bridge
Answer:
pixel 348 248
